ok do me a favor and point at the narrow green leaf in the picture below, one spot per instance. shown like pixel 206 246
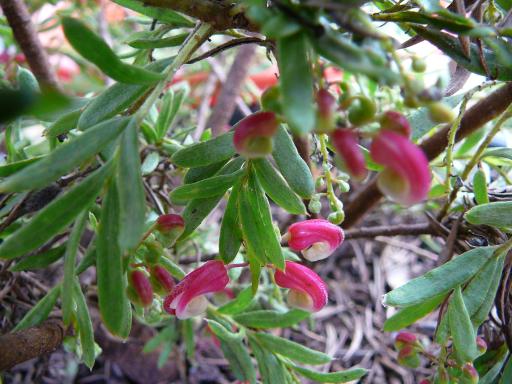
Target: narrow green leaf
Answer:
pixel 189 336
pixel 132 197
pixel 240 303
pixel 93 48
pixel 166 42
pixel 497 214
pixel 164 15
pixel 69 266
pixel 64 124
pixel 291 349
pixel 266 319
pixel 65 158
pixel 56 216
pixel 201 173
pixel 166 335
pixel 173 268
pixel 85 329
pixel 39 260
pixel 116 98
pixel 461 328
pixel 213 186
pixel 230 239
pixel 171 104
pixel 114 306
pixel 441 279
pixel 480 187
pixel 346 376
pixel 150 163
pixel 256 222
pixel 9 169
pixel 298 105
pixel 277 188
pixel 40 311
pixel 207 152
pixel 271 369
pixel 409 315
pixel 235 351
pixel 88 260
pixel 293 168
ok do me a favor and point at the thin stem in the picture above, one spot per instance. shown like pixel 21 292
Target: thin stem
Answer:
pixel 331 196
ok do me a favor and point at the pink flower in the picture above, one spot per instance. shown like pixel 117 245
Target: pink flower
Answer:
pixel 317 238
pixel 253 134
pixel 396 122
pixel 142 287
pixel 406 178
pixel 307 290
pixel 327 106
pixel 187 298
pixel 346 143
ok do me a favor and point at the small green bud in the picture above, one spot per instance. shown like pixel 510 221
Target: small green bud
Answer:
pixel 418 65
pixel 314 206
pixel 336 217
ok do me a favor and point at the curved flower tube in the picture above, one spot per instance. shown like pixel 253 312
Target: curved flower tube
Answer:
pixel 316 238
pixel 346 143
pixel 187 298
pixel 253 134
pixel 307 290
pixel 406 178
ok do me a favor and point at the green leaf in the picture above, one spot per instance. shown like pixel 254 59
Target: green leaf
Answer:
pixel 9 169
pixel 39 260
pixel 297 96
pixel 65 158
pixel 256 222
pixel 441 279
pixel 293 168
pixel 266 319
pixel 409 315
pixel 56 216
pixel 346 376
pixel 171 103
pixel 235 351
pixel 132 198
pixel 230 238
pixel 93 48
pixel 164 15
pixel 150 163
pixel 240 303
pixel 40 311
pixel 271 369
pixel 207 152
pixel 480 187
pixel 201 173
pixel 64 124
pixel 277 188
pixel 88 260
pixel 85 329
pixel 114 306
pixel 166 335
pixel 173 268
pixel 213 186
pixel 69 266
pixel 497 214
pixel 166 42
pixel 461 328
pixel 116 98
pixel 291 349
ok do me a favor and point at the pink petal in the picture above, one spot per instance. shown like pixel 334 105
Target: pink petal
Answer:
pixel 298 277
pixel 307 233
pixel 346 143
pixel 408 165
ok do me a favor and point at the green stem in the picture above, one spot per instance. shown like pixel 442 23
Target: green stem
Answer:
pixel 331 196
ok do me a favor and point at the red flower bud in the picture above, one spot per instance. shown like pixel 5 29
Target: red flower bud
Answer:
pixel 408 357
pixel 163 277
pixel 170 227
pixel 187 298
pixel 425 381
pixel 396 122
pixel 253 134
pixel 307 290
pixel 317 238
pixel 142 286
pixel 327 106
pixel 481 345
pixel 405 338
pixel 406 178
pixel 346 143
pixel 469 374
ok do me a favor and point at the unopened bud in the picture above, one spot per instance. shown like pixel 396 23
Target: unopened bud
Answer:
pixel 327 105
pixel 362 111
pixel 142 287
pixel 169 227
pixel 336 217
pixel 315 206
pixel 440 113
pixel 405 338
pixel 154 251
pixel 396 122
pixel 162 279
pixel 469 374
pixel 418 65
pixel 408 357
pixel 481 345
pixel 254 133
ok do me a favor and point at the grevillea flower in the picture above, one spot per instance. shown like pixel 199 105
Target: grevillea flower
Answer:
pixel 316 238
pixel 142 287
pixel 406 177
pixel 346 143
pixel 170 227
pixel 307 290
pixel 396 122
pixel 326 104
pixel 163 279
pixel 253 134
pixel 187 298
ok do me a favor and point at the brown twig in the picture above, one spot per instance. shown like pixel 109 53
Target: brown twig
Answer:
pixel 26 344
pixel 18 18
pixel 479 114
pixel 391 230
pixel 230 44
